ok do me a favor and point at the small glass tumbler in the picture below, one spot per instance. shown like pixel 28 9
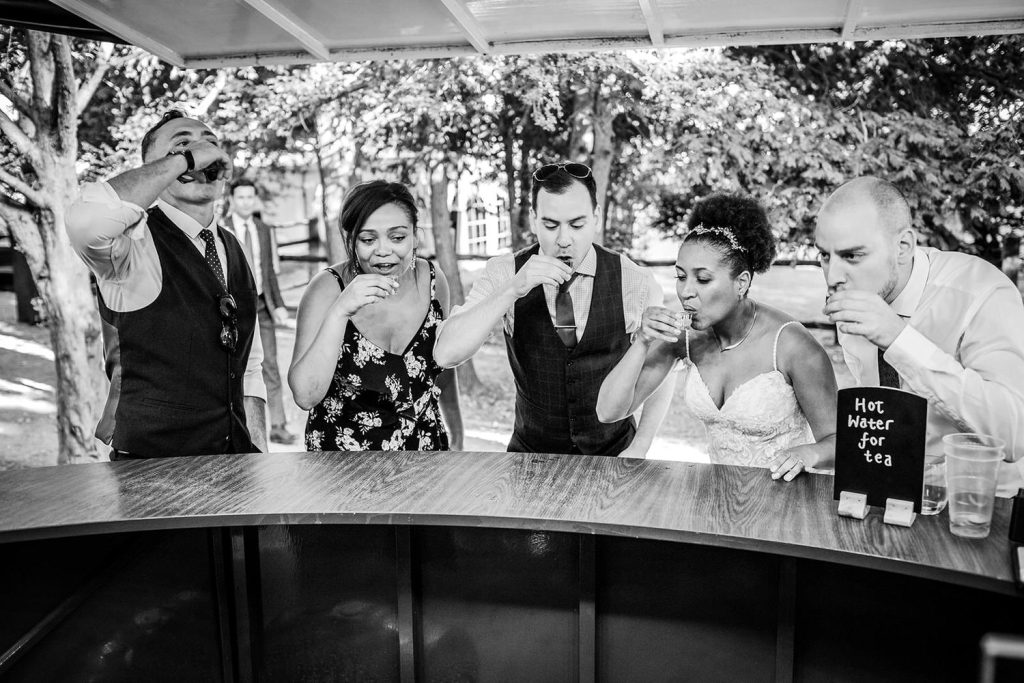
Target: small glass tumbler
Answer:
pixel 933 500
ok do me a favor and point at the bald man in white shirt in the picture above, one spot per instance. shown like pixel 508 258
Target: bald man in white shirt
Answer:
pixel 944 325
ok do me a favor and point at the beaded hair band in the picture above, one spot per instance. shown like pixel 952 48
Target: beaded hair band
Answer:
pixel 725 233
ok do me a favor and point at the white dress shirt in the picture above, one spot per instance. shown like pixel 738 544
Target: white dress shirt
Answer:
pixel 114 239
pixel 245 230
pixel 962 349
pixel 639 290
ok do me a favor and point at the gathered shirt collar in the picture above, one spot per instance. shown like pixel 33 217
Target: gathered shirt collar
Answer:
pixel 906 303
pixel 188 225
pixel 589 263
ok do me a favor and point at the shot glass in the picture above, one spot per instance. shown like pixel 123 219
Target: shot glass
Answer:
pixel 972 461
pixel 933 500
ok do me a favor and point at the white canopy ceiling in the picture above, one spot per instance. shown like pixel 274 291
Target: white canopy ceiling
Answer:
pixel 212 33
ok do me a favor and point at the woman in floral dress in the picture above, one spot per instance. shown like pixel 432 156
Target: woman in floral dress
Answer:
pixel 364 344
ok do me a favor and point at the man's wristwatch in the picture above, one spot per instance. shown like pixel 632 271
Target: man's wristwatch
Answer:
pixel 189 159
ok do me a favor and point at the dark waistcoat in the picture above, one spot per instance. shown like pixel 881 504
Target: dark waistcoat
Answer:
pixel 180 392
pixel 556 388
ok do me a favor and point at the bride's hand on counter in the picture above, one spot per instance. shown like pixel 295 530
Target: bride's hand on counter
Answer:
pixel 792 462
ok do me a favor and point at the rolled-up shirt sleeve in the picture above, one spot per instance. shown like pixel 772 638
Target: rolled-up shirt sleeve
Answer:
pixel 497 272
pixel 640 291
pixel 983 389
pixel 100 226
pixel 252 383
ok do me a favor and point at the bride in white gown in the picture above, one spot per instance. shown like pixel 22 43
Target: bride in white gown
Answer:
pixel 761 384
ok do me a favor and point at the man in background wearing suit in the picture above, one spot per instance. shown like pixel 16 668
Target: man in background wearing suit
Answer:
pixel 261 251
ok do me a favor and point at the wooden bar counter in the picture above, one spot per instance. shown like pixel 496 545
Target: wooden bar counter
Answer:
pixel 479 566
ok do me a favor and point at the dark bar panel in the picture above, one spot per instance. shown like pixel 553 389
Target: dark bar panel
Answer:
pixel 153 618
pixel 329 603
pixel 39 579
pixel 855 624
pixel 679 612
pixel 497 605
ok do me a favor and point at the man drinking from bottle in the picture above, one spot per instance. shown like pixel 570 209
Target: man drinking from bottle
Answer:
pixel 178 302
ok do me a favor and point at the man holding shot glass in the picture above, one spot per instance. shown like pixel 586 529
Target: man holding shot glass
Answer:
pixel 943 325
pixel 568 308
pixel 177 299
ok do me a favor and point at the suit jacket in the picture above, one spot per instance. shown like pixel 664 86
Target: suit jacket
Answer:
pixel 271 293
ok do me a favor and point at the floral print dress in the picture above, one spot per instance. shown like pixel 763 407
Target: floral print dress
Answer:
pixel 382 401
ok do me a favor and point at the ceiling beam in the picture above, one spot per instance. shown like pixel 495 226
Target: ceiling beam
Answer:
pixel 123 31
pixel 655 24
pixel 941 30
pixel 360 54
pixel 854 11
pixel 291 24
pixel 468 24
pixel 754 37
pixel 710 39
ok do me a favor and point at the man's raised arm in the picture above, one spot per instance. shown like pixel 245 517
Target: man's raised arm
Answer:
pixel 493 295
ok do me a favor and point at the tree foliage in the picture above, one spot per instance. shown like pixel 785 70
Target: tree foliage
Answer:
pixel 943 119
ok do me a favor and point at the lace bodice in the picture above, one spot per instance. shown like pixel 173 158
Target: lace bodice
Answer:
pixel 760 418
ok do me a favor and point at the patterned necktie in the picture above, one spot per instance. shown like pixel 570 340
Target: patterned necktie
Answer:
pixel 211 255
pixel 887 375
pixel 565 319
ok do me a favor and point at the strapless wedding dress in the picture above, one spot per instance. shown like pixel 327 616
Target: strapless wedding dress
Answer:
pixel 760 418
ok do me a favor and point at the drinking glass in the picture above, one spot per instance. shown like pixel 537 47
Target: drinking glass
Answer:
pixel 933 500
pixel 972 461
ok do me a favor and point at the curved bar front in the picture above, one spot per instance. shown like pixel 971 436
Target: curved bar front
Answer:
pixel 424 566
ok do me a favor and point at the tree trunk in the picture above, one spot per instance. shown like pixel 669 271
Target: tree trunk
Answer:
pixel 577 138
pixel 60 276
pixel 509 163
pixel 601 159
pixel 444 247
pixel 335 242
pixel 521 228
pixel 63 283
pixel 78 352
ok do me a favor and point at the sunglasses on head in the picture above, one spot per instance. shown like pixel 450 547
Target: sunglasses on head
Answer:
pixel 579 171
pixel 229 321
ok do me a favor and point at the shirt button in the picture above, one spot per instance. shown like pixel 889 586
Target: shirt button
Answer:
pixel 234 375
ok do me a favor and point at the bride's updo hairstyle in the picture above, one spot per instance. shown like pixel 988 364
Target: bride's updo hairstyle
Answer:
pixel 737 226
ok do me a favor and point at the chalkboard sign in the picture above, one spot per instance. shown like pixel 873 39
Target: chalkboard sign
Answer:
pixel 880 436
